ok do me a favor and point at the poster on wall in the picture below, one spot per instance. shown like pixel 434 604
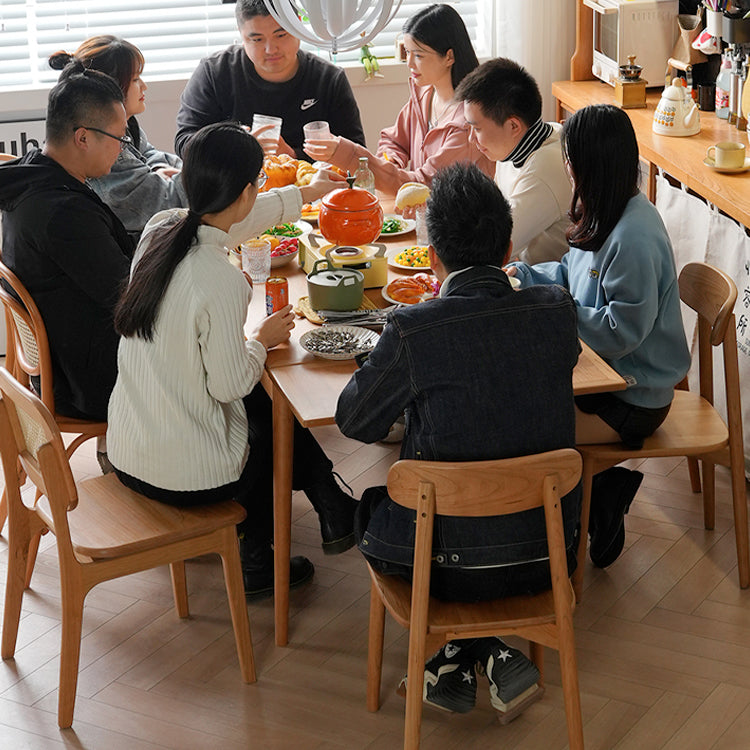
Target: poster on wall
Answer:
pixel 19 136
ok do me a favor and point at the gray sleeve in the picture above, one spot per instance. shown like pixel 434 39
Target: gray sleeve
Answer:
pixel 135 192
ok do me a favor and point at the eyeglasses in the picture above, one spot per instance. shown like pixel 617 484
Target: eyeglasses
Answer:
pixel 125 140
pixel 262 179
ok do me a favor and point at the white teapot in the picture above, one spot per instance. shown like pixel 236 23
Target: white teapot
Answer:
pixel 676 113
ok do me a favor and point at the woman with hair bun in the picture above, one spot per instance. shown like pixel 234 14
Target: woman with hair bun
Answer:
pixel 143 180
pixel 188 422
pixel 430 131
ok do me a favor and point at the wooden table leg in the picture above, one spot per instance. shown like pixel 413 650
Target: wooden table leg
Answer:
pixel 283 447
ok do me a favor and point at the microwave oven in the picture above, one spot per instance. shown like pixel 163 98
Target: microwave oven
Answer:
pixel 644 28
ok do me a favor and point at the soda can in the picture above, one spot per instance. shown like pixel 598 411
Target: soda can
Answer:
pixel 277 294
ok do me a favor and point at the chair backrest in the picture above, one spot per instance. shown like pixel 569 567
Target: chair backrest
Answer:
pixel 712 294
pixel 27 335
pixel 485 488
pixel 7 157
pixel 30 435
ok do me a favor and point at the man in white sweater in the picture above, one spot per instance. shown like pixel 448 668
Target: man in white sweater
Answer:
pixel 503 106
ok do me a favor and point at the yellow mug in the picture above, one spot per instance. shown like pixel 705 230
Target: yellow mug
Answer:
pixel 727 155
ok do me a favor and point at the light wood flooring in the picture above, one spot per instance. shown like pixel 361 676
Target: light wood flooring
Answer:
pixel 663 640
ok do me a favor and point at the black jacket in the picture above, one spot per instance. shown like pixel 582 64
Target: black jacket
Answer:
pixel 73 255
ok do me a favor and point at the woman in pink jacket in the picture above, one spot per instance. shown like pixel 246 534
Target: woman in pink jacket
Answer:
pixel 430 131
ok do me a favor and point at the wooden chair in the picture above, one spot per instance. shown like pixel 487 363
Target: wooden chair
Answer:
pixel 103 531
pixel 7 157
pixel 29 356
pixel 693 427
pixel 478 488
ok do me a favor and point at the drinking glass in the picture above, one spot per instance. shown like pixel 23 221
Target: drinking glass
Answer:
pixel 316 130
pixel 269 139
pixel 421 218
pixel 256 259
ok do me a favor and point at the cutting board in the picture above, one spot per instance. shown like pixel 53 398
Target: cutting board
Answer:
pixel 746 100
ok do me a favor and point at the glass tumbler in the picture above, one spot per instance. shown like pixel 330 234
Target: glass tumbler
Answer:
pixel 421 218
pixel 256 259
pixel 269 139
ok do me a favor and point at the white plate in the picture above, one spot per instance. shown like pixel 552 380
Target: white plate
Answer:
pixel 390 299
pixel 305 226
pixel 407 224
pixel 390 257
pixel 728 170
pixel 358 340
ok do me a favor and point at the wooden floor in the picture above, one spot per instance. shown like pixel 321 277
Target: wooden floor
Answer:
pixel 663 641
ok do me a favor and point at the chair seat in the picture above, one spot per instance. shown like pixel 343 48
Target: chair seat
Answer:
pixel 71 424
pixel 111 520
pixel 458 617
pixel 693 427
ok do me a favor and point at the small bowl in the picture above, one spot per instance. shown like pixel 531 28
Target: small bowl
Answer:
pixel 282 260
pixel 630 72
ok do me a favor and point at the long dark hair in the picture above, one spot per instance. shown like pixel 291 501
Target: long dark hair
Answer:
pixel 440 27
pixel 600 146
pixel 220 161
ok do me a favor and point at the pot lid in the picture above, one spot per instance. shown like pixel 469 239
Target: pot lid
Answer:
pixel 675 92
pixel 350 199
pixel 327 277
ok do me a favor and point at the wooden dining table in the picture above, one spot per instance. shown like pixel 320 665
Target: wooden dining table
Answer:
pixel 306 388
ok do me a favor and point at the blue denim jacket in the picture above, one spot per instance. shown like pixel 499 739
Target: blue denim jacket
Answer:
pixel 482 372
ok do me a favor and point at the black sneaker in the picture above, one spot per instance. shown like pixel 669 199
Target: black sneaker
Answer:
pixel 450 680
pixel 509 671
pixel 612 493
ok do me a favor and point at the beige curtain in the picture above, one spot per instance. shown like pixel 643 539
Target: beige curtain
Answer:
pixel 541 37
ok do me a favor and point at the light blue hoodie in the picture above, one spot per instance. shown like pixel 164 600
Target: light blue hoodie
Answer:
pixel 628 303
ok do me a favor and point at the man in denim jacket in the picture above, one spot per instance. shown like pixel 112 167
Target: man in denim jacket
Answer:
pixel 483 372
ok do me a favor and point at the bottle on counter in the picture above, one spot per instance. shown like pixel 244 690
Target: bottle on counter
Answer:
pixel 724 86
pixel 363 177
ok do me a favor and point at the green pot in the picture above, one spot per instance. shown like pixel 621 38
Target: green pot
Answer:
pixel 331 288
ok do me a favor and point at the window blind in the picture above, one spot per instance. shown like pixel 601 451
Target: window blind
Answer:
pixel 172 34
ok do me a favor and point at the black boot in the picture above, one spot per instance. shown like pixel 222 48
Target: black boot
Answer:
pixel 335 509
pixel 257 569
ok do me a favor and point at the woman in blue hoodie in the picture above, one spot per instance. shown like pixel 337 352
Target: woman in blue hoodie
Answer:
pixel 620 270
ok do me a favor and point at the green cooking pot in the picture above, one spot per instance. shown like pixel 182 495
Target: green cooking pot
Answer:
pixel 331 288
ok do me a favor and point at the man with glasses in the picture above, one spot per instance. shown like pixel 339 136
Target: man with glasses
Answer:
pixel 65 245
pixel 267 74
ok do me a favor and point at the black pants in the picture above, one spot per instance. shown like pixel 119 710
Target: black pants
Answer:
pixel 632 423
pixel 254 489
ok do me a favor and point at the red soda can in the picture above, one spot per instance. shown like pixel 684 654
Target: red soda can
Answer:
pixel 277 294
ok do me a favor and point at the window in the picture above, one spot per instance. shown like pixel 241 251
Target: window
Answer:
pixel 172 34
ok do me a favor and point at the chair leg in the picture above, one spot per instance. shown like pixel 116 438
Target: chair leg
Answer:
pixel 70 651
pixel 587 478
pixel 179 588
pixel 536 654
pixel 230 561
pixel 414 687
pixel 375 649
pixel 569 678
pixel 739 502
pixel 31 561
pixel 709 494
pixel 18 551
pixel 695 474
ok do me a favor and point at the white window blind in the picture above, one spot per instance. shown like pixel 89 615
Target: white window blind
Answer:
pixel 172 34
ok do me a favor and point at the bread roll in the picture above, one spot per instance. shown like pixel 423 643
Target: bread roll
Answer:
pixel 412 194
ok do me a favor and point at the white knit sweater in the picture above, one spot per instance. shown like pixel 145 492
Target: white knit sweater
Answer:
pixel 176 418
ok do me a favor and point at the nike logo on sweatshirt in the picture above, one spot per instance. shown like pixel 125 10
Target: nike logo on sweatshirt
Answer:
pixel 307 104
